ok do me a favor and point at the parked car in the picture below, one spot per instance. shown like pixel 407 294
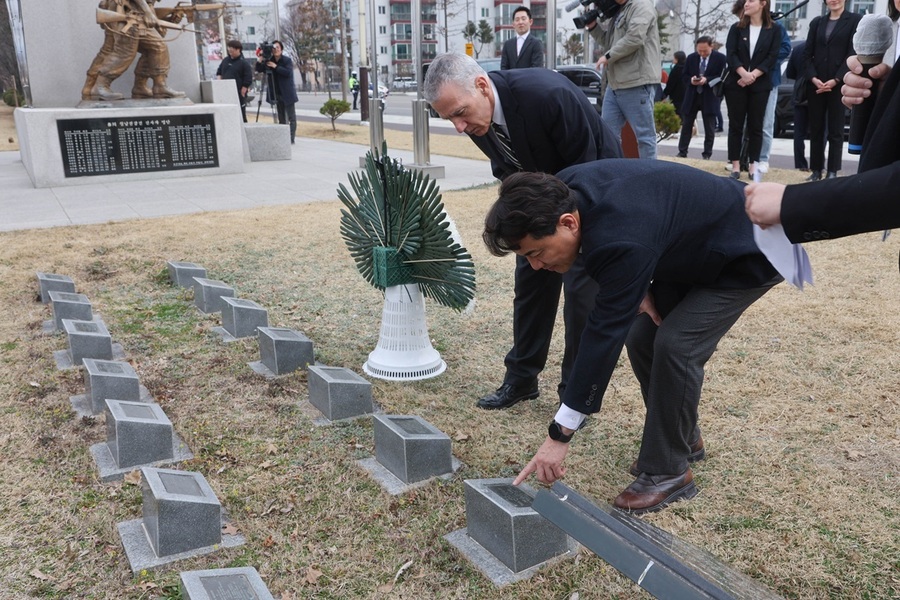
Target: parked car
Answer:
pixel 382 90
pixel 588 80
pixel 402 84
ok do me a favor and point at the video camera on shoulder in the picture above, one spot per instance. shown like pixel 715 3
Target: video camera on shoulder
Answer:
pixel 266 51
pixel 603 9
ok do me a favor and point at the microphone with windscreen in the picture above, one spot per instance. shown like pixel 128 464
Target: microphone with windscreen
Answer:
pixel 872 39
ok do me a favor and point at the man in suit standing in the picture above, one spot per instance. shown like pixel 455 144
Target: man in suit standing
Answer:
pixel 280 88
pixel 673 276
pixel 523 51
pixel 526 120
pixel 700 68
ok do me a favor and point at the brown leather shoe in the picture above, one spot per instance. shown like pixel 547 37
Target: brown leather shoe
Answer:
pixel 650 493
pixel 698 453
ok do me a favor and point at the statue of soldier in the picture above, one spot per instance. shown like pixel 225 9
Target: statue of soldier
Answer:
pixel 131 26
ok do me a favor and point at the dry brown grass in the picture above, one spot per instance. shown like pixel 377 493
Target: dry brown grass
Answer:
pixel 801 415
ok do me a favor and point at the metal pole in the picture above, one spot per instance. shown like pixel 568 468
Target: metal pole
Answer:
pixel 421 150
pixel 18 34
pixel 376 104
pixel 277 18
pixel 551 34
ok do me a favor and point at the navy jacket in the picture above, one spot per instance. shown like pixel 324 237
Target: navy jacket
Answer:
pixel 532 54
pixel 646 221
pixel 283 80
pixel 551 123
pixel 716 65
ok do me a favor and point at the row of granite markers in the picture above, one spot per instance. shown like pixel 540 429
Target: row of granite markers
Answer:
pixel 182 516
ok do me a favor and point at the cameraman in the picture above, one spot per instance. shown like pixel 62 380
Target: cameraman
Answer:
pixel 280 88
pixel 628 37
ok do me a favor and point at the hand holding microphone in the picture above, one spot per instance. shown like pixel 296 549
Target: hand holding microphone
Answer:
pixel 872 39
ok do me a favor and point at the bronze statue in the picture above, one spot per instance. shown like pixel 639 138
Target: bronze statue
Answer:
pixel 132 27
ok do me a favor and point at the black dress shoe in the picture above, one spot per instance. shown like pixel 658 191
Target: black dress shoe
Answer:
pixel 735 175
pixel 831 175
pixel 698 453
pixel 706 156
pixel 509 394
pixel 650 493
pixel 814 176
pixel 681 155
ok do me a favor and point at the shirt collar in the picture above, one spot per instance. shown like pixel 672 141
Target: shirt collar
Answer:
pixel 498 116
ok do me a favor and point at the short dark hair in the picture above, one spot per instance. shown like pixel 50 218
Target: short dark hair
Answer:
pixel 680 57
pixel 235 44
pixel 524 9
pixel 528 204
pixel 280 45
pixel 704 39
pixel 893 13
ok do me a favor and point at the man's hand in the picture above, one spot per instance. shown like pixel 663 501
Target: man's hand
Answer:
pixel 856 87
pixel 547 463
pixel 272 64
pixel 763 203
pixel 601 63
pixel 649 306
pixel 243 91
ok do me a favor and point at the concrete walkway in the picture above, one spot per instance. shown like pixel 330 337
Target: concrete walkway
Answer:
pixel 313 174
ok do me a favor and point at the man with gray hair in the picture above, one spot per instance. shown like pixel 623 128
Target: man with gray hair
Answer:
pixel 526 120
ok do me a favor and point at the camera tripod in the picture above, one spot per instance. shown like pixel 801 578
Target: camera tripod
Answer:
pixel 268 81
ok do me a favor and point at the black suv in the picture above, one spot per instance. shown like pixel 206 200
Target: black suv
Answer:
pixel 588 81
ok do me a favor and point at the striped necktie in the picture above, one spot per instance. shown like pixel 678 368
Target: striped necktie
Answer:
pixel 505 146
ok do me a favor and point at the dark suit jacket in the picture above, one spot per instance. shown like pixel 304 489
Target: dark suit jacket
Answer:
pixel 646 221
pixel 674 89
pixel 532 54
pixel 764 55
pixel 551 123
pixel 827 59
pixel 715 67
pixel 282 79
pixel 868 201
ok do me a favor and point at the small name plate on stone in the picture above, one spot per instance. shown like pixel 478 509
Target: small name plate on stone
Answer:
pixel 88 339
pixel 240 583
pixel 182 273
pixel 241 318
pixel 67 305
pixel 138 433
pixel 50 282
pixel 208 294
pixel 109 379
pixel 180 511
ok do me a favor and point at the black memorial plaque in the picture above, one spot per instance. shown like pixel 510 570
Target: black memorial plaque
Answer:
pixel 137 144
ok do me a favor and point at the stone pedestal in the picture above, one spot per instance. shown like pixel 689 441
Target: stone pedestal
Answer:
pixel 241 318
pixel 182 273
pixel 105 379
pixel 268 141
pixel 500 518
pixel 180 511
pixel 339 393
pixel 51 282
pixel 238 583
pixel 284 350
pixel 208 294
pixel 138 433
pixel 88 339
pixel 67 305
pixel 411 448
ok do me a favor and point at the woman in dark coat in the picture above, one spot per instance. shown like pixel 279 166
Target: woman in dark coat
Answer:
pixel 674 89
pixel 829 43
pixel 751 49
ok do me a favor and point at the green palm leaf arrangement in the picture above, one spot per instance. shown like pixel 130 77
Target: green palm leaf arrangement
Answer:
pixel 397 232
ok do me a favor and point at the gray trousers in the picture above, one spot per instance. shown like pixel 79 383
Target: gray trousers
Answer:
pixel 669 363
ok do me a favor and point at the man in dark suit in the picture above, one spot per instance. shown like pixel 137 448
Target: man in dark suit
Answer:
pixel 700 68
pixel 280 88
pixel 847 205
pixel 676 265
pixel 523 51
pixel 526 120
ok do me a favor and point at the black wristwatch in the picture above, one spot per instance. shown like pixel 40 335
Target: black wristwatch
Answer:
pixel 555 432
pixel 608 56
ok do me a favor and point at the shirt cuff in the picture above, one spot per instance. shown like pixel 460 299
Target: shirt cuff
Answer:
pixel 569 418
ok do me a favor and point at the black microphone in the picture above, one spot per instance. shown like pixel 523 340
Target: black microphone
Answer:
pixel 572 5
pixel 872 39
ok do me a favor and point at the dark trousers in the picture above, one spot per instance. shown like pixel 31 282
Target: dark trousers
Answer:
pixel 287 113
pixel 745 104
pixel 687 126
pixel 669 363
pixel 534 315
pixel 826 118
pixel 801 132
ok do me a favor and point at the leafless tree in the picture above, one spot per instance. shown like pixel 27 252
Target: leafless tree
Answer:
pixel 573 47
pixel 700 17
pixel 9 70
pixel 307 31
